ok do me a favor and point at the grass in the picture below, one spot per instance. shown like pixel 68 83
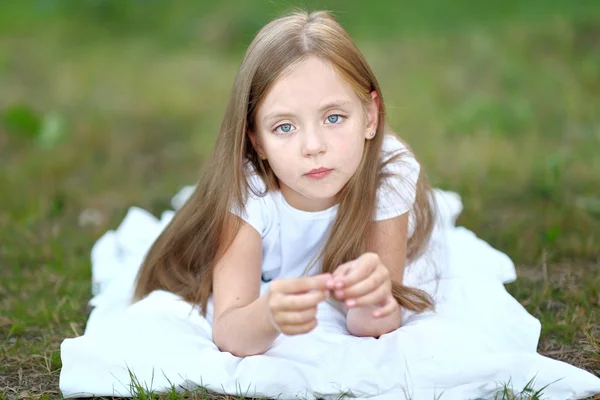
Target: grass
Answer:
pixel 100 110
pixel 141 391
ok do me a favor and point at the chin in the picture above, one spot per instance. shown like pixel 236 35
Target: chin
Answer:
pixel 322 194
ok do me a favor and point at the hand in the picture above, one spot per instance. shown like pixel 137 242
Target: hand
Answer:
pixel 292 303
pixel 364 282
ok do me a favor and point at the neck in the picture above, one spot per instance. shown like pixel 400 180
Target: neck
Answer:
pixel 302 203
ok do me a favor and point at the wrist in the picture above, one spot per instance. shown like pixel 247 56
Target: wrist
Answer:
pixel 232 333
pixel 269 313
pixel 270 323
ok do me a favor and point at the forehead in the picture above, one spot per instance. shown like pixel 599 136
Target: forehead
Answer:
pixel 308 85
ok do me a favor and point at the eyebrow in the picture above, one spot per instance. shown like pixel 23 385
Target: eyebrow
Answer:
pixel 332 104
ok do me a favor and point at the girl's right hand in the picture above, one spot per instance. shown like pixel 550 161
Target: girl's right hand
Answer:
pixel 292 303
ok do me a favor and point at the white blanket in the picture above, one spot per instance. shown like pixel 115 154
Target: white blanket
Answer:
pixel 478 339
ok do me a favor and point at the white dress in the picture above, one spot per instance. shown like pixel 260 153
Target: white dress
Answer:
pixel 478 338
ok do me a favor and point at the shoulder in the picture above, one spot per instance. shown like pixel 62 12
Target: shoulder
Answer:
pixel 399 175
pixel 256 185
pixel 393 145
pixel 397 157
pixel 258 206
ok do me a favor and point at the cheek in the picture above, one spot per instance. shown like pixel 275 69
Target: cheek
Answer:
pixel 355 155
pixel 351 149
pixel 280 164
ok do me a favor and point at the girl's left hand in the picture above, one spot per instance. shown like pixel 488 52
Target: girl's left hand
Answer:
pixel 364 282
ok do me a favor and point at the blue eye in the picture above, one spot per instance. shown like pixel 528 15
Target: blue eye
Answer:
pixel 284 128
pixel 334 119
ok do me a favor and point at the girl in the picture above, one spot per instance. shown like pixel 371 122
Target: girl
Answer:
pixel 306 191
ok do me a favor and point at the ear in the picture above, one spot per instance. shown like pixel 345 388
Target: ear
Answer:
pixel 372 116
pixel 256 144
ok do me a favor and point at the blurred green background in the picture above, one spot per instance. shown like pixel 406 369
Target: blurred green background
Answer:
pixel 105 104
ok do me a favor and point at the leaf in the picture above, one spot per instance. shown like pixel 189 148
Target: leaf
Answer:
pixel 21 120
pixel 551 234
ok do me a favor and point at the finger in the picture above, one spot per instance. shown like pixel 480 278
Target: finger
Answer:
pixel 299 329
pixel 301 301
pixel 367 285
pixel 343 269
pixel 363 266
pixel 376 297
pixel 385 310
pixel 340 271
pixel 301 285
pixel 295 317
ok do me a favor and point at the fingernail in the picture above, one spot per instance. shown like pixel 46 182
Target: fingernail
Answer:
pixel 339 284
pixel 330 284
pixel 350 303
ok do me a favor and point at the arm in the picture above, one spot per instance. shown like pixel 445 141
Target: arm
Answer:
pixel 245 323
pixel 388 240
pixel 241 324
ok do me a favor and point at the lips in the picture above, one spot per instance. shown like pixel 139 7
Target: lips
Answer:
pixel 317 171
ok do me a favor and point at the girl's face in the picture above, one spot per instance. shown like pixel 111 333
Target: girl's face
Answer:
pixel 312 127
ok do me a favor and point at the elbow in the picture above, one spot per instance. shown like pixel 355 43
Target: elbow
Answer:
pixel 228 342
pixel 236 350
pixel 371 331
pixel 366 326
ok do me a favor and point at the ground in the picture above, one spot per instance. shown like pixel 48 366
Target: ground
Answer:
pixel 102 108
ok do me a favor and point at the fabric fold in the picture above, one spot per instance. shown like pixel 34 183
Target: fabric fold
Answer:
pixel 478 338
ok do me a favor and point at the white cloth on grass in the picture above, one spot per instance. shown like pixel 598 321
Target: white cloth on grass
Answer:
pixel 478 339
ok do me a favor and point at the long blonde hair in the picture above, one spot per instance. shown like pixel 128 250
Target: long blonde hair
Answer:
pixel 183 258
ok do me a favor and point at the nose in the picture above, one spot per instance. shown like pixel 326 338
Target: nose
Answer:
pixel 314 143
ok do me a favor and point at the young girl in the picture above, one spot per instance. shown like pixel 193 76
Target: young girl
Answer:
pixel 309 206
pixel 304 177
